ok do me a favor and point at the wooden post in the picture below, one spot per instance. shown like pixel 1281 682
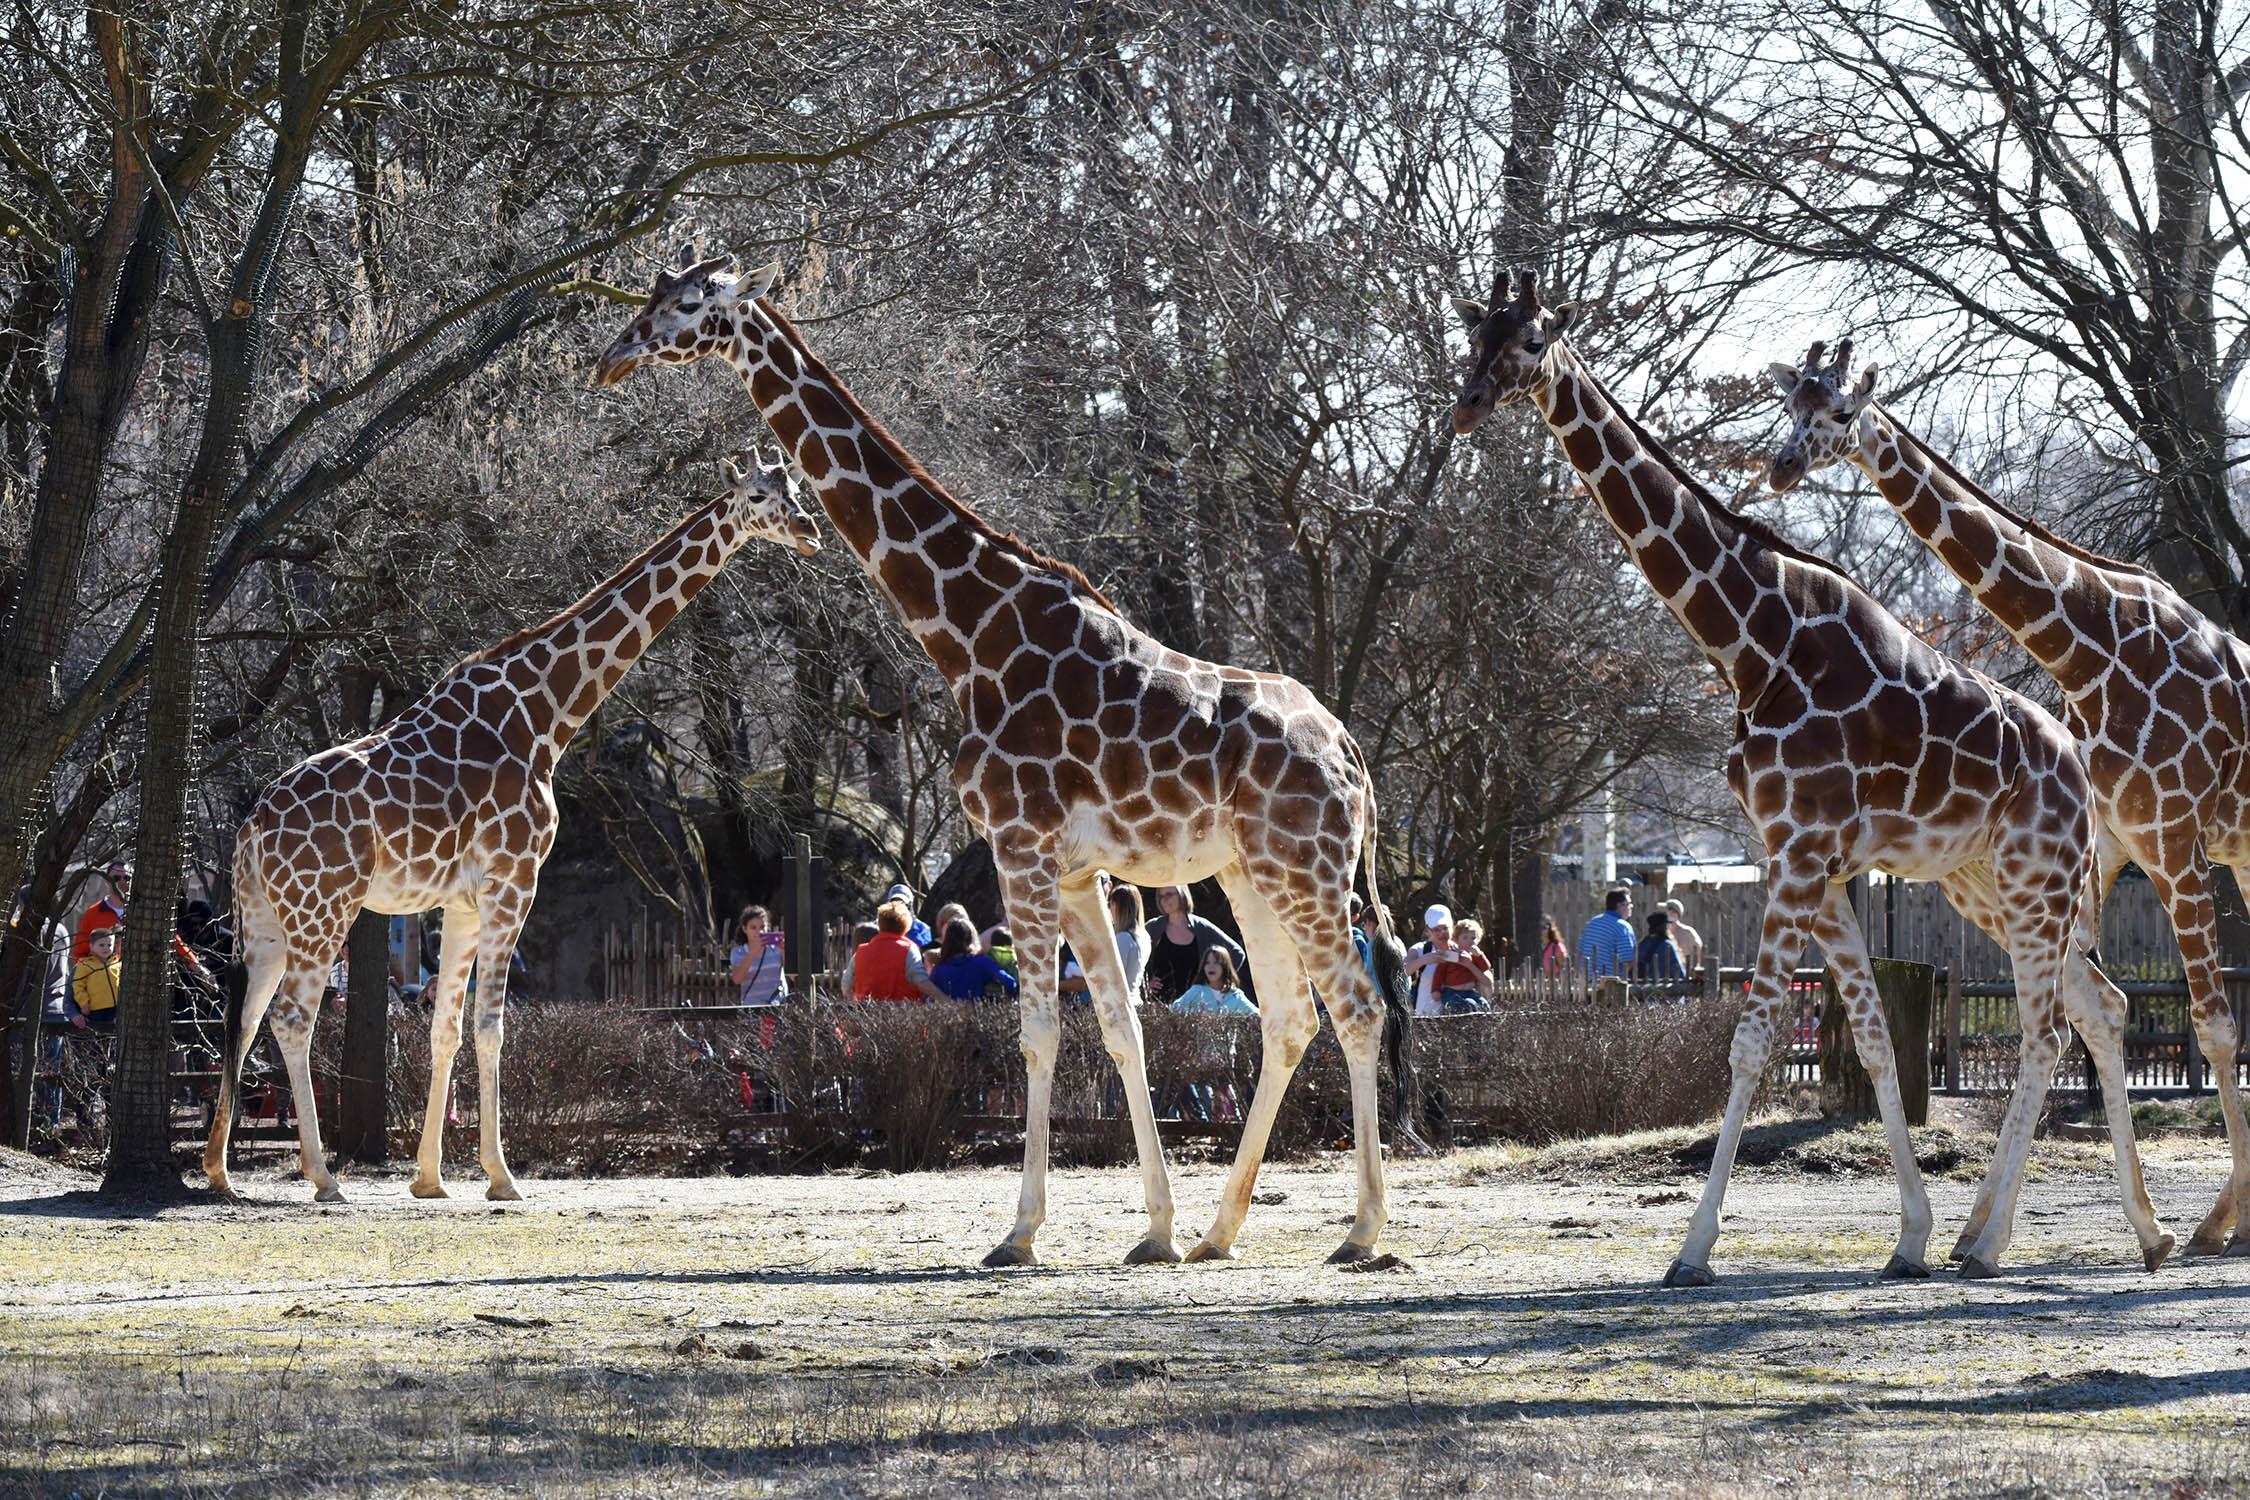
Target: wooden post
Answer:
pixel 1908 991
pixel 1953 1027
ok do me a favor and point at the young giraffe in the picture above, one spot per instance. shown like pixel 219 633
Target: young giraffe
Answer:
pixel 452 805
pixel 1086 745
pixel 1856 748
pixel 2158 695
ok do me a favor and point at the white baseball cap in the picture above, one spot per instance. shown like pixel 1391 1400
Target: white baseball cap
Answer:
pixel 900 892
pixel 1438 916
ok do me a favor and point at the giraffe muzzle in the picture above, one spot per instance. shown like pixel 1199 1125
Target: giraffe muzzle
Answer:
pixel 615 364
pixel 1785 472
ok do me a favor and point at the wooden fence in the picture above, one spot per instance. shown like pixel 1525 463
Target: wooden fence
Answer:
pixel 1912 920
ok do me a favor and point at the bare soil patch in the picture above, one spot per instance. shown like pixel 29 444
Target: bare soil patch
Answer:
pixel 834 1335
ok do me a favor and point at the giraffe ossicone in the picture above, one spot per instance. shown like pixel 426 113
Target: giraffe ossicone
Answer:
pixel 2157 694
pixel 451 806
pixel 1857 747
pixel 1086 745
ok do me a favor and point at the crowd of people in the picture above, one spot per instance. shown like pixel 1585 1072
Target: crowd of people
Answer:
pixel 80 983
pixel 1183 960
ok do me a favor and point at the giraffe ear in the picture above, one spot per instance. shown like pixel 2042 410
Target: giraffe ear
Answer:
pixel 1470 311
pixel 1783 377
pixel 751 285
pixel 735 476
pixel 1864 392
pixel 1555 321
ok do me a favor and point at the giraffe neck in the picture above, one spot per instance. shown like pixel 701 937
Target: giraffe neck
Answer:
pixel 567 665
pixel 1719 579
pixel 942 567
pixel 2037 588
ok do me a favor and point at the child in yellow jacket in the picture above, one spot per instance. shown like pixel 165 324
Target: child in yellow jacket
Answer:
pixel 93 981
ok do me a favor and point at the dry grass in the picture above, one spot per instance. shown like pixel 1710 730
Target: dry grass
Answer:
pixel 593 1340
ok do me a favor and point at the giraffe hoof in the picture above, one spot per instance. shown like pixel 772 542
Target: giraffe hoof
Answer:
pixel 223 1191
pixel 503 1192
pixel 1962 1247
pixel 2237 1246
pixel 2199 1245
pixel 1899 1268
pixel 1011 1255
pixel 1347 1252
pixel 1153 1252
pixel 1205 1250
pixel 329 1194
pixel 1974 1269
pixel 2155 1255
pixel 1683 1274
pixel 431 1189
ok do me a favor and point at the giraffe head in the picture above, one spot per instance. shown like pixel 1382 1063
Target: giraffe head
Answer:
pixel 765 496
pixel 1510 341
pixel 690 312
pixel 1828 420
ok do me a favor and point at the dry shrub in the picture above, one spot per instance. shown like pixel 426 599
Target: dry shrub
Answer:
pixel 590 1089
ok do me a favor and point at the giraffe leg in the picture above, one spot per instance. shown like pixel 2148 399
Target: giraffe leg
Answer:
pixel 2187 894
pixel 1792 897
pixel 1356 1008
pixel 267 960
pixel 2096 1007
pixel 500 918
pixel 457 949
pixel 1837 929
pixel 292 1019
pixel 1085 921
pixel 2027 891
pixel 1027 885
pixel 1287 1025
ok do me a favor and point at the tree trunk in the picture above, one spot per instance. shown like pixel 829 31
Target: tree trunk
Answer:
pixel 140 1151
pixel 363 1092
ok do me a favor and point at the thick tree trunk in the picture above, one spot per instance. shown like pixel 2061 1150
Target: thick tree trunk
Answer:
pixel 140 1152
pixel 363 1093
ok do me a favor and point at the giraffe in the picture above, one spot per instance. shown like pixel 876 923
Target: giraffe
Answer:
pixel 452 805
pixel 1856 748
pixel 1085 746
pixel 2158 696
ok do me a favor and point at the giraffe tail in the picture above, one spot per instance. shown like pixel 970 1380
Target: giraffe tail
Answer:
pixel 1369 837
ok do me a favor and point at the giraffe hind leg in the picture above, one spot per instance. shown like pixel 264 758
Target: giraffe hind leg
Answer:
pixel 257 980
pixel 292 1019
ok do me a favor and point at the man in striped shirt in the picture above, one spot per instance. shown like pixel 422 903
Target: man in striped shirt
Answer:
pixel 1606 946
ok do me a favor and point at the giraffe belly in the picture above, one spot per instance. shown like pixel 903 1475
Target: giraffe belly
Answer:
pixel 1161 852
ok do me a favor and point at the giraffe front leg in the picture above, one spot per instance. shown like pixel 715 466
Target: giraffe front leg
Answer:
pixel 1028 888
pixel 2186 893
pixel 457 948
pixel 501 919
pixel 1791 900
pixel 1085 917
pixel 1837 929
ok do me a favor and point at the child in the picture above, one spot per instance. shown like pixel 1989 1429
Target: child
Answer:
pixel 93 980
pixel 1220 993
pixel 1001 944
pixel 964 973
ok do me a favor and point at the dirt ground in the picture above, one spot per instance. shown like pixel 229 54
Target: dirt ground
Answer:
pixel 834 1335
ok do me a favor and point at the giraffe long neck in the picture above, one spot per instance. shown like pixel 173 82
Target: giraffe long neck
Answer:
pixel 1720 582
pixel 2039 591
pixel 943 569
pixel 570 663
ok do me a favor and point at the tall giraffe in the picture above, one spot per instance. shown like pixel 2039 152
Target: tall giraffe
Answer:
pixel 1085 746
pixel 452 805
pixel 2158 695
pixel 1856 748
